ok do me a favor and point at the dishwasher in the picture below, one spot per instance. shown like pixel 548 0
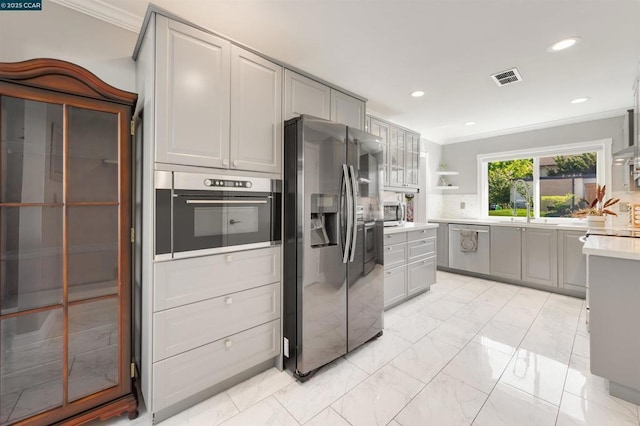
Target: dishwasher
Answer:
pixel 469 248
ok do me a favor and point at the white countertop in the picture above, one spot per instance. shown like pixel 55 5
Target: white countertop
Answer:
pixel 409 226
pixel 537 223
pixel 619 247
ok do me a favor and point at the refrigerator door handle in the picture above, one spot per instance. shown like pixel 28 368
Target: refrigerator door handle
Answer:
pixel 354 213
pixel 348 231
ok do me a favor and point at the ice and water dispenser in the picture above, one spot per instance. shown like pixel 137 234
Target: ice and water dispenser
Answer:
pixel 324 220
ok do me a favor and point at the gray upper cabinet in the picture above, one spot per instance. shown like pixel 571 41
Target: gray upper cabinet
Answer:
pixel 412 159
pixel 401 154
pixel 381 129
pixel 218 105
pixel 506 257
pixel 192 95
pixel 256 112
pixel 572 264
pixel 347 110
pixel 539 256
pixel 397 152
pixel 303 95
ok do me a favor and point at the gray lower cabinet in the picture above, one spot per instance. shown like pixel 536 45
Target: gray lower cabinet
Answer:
pixel 506 254
pixel 443 245
pixel 539 256
pixel 572 264
pixel 179 377
pixel 395 285
pixel 525 254
pixel 420 275
pixel 184 281
pixel 187 327
pixel 614 297
pixel 409 264
pixel 214 318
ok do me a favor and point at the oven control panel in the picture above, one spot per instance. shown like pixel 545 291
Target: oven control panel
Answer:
pixel 226 183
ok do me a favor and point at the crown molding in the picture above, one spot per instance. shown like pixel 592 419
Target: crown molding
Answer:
pixel 105 12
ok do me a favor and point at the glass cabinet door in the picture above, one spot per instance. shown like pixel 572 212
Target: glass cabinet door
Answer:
pixel 413 159
pixel 60 255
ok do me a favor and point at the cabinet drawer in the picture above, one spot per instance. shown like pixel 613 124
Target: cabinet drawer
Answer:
pixel 181 329
pixel 420 275
pixel 394 286
pixel 183 281
pixel 421 234
pixel 421 248
pixel 400 237
pixel 395 255
pixel 179 377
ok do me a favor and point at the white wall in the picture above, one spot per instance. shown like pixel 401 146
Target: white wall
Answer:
pixel 61 33
pixel 463 203
pixel 463 156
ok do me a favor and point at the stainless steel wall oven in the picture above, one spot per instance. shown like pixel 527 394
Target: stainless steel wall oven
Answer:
pixel 200 214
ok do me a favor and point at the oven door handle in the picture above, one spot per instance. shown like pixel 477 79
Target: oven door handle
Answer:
pixel 195 201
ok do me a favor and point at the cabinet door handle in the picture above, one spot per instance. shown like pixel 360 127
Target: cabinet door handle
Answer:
pixel 228 343
pixel 228 258
pixel 228 301
pixel 225 161
pixel 236 163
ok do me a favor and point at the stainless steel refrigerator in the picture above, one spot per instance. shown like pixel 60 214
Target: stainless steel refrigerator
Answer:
pixel 333 224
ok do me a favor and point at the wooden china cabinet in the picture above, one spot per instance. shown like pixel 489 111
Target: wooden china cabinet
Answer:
pixel 65 245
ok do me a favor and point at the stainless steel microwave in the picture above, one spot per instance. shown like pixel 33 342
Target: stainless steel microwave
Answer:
pixel 200 214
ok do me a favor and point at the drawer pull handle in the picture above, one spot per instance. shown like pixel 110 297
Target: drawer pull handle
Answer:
pixel 424 231
pixel 236 163
pixel 225 161
pixel 228 258
pixel 228 300
pixel 228 343
pixel 388 236
pixel 388 272
pixel 388 248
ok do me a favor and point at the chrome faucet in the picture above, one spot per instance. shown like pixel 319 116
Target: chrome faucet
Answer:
pixel 526 194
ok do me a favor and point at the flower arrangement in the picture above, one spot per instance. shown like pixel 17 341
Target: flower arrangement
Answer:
pixel 597 207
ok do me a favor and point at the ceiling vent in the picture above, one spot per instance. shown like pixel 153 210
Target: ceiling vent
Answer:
pixel 503 78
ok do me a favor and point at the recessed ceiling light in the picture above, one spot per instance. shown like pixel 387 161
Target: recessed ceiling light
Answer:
pixel 563 44
pixel 417 93
pixel 469 123
pixel 580 100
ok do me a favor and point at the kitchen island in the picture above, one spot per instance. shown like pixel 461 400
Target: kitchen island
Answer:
pixel 613 280
pixel 409 254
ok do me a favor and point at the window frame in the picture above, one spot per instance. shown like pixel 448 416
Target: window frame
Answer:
pixel 602 147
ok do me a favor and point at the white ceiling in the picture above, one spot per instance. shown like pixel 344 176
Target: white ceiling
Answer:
pixel 385 49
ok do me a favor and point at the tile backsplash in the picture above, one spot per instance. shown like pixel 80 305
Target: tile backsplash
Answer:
pixel 455 206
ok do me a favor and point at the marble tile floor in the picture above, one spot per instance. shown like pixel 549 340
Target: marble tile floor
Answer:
pixel 468 352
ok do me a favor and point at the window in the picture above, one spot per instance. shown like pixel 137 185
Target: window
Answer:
pixel 551 182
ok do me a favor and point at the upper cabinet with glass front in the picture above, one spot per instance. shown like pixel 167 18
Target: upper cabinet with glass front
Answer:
pixel 65 222
pixel 402 154
pixel 217 105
